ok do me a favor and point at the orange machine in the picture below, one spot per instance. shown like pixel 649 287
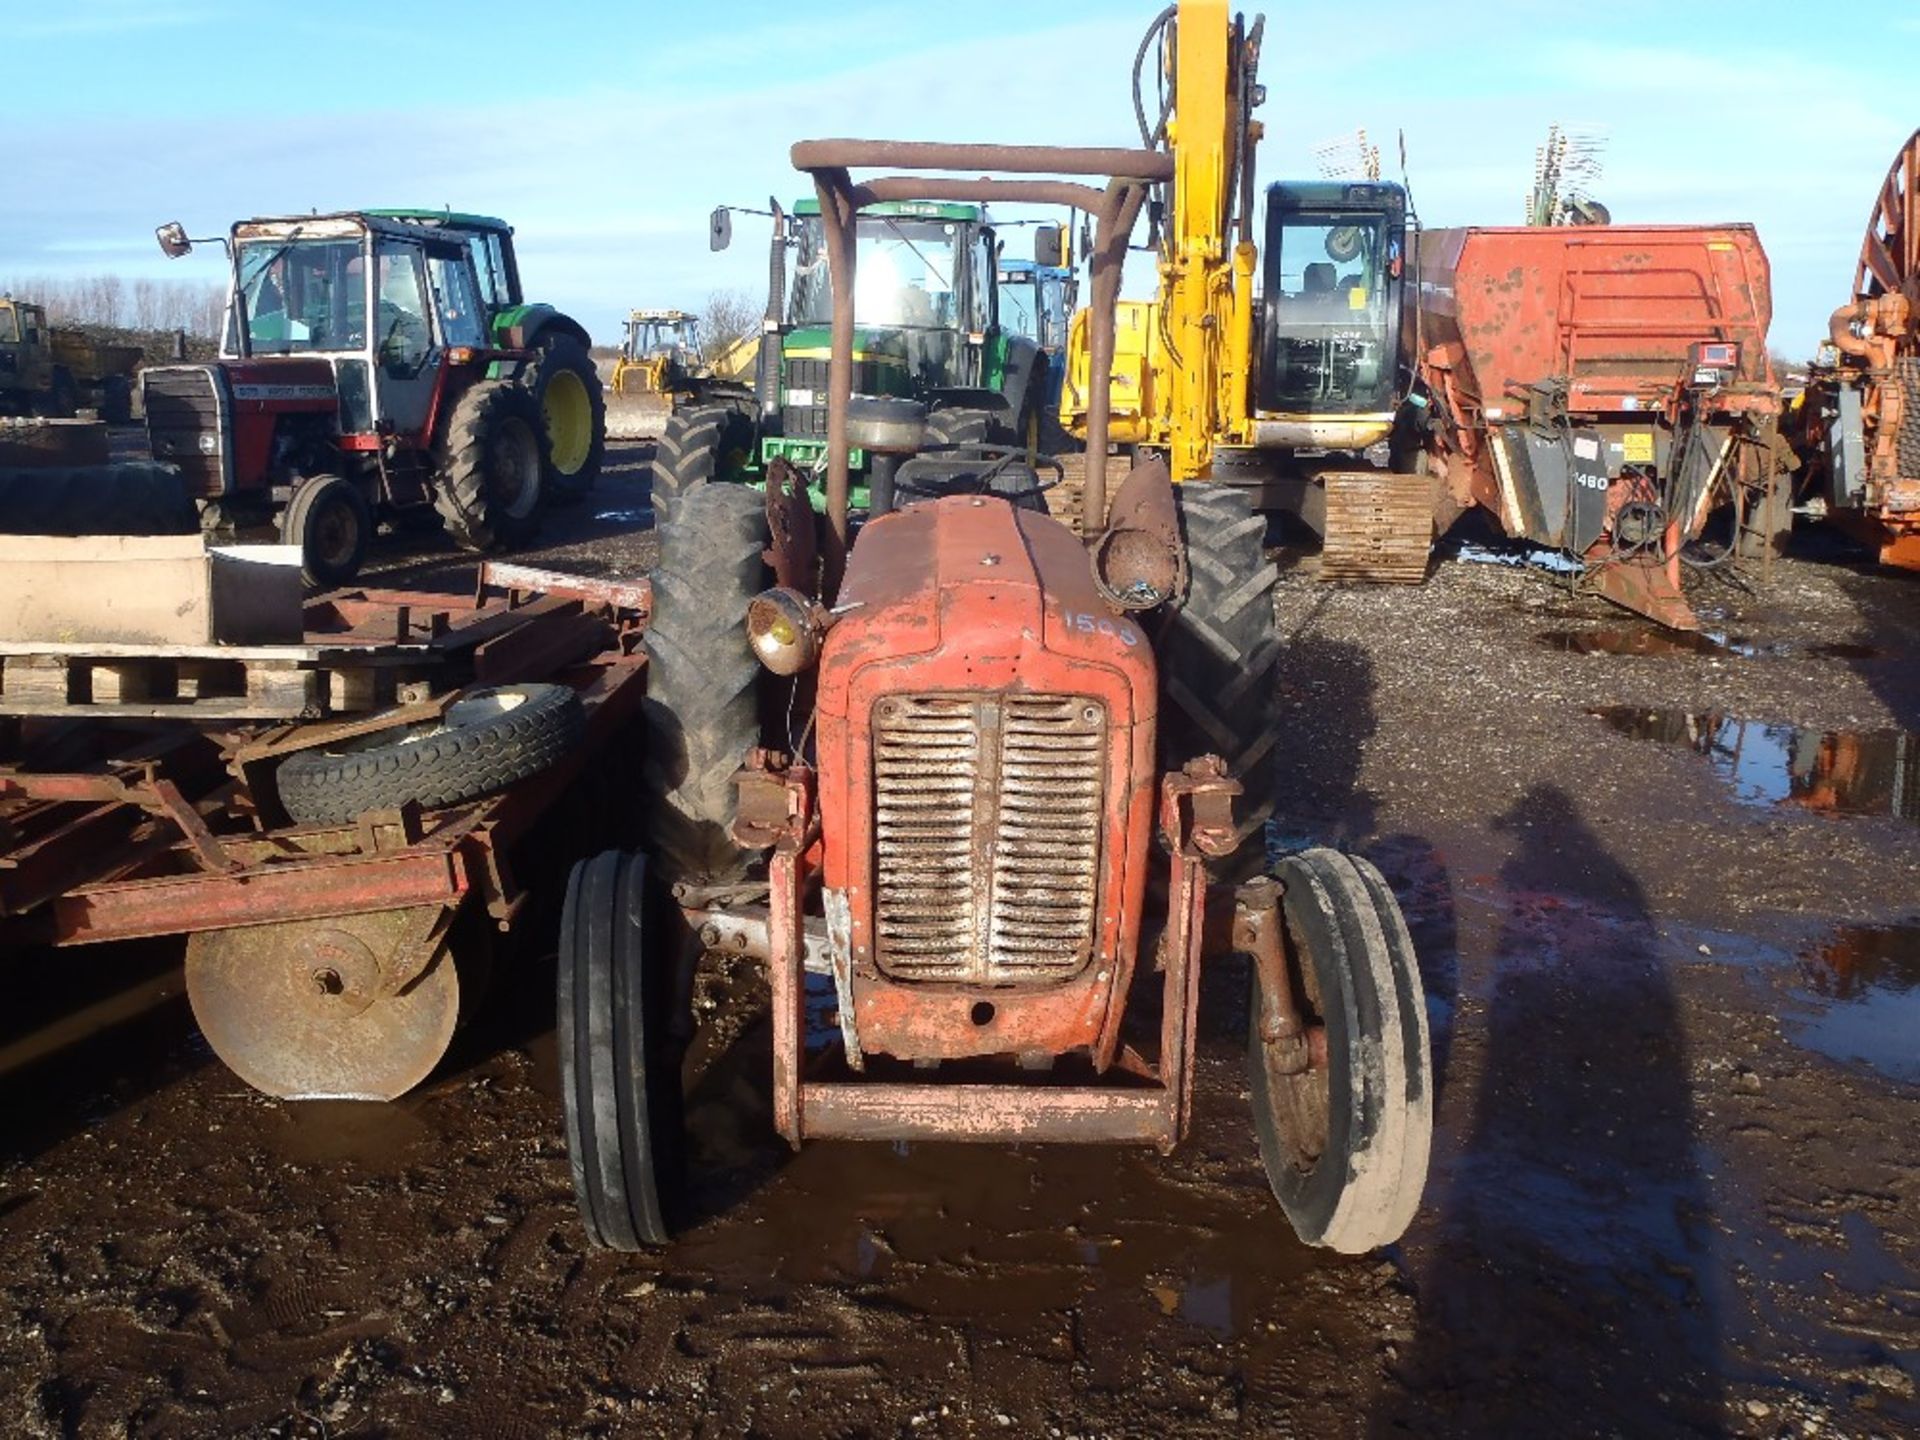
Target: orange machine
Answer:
pixel 1856 428
pixel 1600 389
pixel 958 828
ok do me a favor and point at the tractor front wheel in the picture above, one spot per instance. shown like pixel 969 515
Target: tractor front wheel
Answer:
pixel 701 443
pixel 703 682
pixel 328 518
pixel 573 407
pixel 1345 1123
pixel 619 1065
pixel 492 458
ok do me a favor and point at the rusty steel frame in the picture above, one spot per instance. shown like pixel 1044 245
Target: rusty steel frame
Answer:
pixel 1130 173
pixel 347 870
pixel 1148 1104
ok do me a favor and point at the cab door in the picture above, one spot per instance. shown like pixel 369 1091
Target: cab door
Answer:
pixel 406 348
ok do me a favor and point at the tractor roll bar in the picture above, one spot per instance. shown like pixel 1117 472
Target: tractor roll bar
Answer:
pixel 1129 174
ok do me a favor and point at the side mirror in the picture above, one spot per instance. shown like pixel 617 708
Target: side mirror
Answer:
pixel 1046 246
pixel 173 240
pixel 720 228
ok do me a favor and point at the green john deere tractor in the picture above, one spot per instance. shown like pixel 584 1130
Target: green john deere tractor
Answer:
pixel 561 373
pixel 926 311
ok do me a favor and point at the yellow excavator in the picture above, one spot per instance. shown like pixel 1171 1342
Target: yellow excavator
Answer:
pixel 663 365
pixel 1297 388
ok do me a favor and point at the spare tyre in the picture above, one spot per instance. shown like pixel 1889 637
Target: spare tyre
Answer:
pixel 483 742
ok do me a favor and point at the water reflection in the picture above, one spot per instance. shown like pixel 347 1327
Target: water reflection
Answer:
pixel 1866 772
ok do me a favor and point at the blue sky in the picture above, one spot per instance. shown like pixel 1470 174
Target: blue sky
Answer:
pixel 607 132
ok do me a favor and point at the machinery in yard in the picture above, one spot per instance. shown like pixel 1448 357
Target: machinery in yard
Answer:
pixel 1038 299
pixel 1289 389
pixel 663 365
pixel 1315 389
pixel 968 786
pixel 52 370
pixel 342 829
pixel 376 364
pixel 1602 390
pixel 1855 430
pixel 929 329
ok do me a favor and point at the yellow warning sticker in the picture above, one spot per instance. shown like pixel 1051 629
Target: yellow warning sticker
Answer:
pixel 1357 297
pixel 1638 447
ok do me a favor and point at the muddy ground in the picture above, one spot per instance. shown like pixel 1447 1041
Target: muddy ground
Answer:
pixel 1673 959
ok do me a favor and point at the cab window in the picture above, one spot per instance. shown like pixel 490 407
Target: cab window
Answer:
pixel 404 339
pixel 456 298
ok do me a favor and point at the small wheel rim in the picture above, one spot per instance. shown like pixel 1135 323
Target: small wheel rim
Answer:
pixel 333 535
pixel 513 480
pixel 1302 1103
pixel 569 418
pixel 481 707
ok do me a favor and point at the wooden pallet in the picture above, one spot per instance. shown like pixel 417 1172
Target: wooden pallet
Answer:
pixel 1379 527
pixel 364 650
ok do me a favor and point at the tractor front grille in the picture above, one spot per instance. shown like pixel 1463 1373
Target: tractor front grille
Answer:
pixel 987 830
pixel 808 378
pixel 186 424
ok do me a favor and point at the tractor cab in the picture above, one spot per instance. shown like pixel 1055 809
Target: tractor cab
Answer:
pixel 24 366
pixel 1038 301
pixel 359 377
pixel 370 306
pixel 925 308
pixel 926 314
pixel 1334 262
pixel 663 335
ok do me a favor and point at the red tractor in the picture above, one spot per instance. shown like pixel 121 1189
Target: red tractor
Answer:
pixel 992 839
pixel 372 368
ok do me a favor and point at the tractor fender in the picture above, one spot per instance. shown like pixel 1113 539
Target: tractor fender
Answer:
pixel 522 326
pixel 1025 367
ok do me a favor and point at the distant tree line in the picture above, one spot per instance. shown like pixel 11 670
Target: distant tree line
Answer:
pixel 112 302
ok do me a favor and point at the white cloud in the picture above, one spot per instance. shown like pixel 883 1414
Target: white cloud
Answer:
pixel 610 189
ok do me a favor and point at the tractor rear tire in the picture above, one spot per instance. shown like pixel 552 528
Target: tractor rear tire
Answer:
pixel 703 682
pixel 135 497
pixel 956 425
pixel 491 460
pixel 573 406
pixel 701 443
pixel 1217 651
pixel 329 519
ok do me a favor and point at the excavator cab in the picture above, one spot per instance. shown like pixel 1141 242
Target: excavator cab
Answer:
pixel 1335 258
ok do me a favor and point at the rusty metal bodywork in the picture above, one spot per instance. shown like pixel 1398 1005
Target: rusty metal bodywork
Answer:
pixel 1564 369
pixel 116 830
pixel 986 730
pixel 978 828
pixel 1856 429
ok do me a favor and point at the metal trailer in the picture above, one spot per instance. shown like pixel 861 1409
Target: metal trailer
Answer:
pixel 1600 389
pixel 321 958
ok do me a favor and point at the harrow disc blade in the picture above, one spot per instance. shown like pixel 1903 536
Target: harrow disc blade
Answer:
pixel 301 1011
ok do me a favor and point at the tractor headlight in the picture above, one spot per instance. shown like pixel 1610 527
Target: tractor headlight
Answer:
pixel 785 629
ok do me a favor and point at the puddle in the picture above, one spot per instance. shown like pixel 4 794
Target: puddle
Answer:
pixel 1640 640
pixel 1866 983
pixel 1643 640
pixel 641 515
pixel 1869 772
